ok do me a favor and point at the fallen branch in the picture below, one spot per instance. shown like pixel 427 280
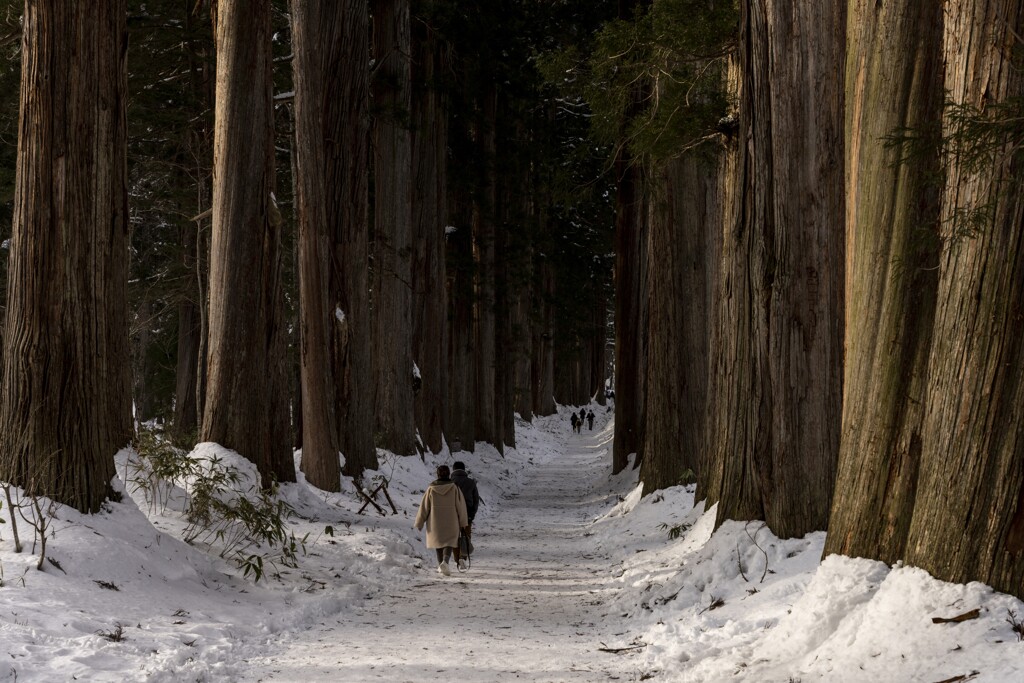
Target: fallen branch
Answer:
pixel 961 677
pixel 966 616
pixel 618 650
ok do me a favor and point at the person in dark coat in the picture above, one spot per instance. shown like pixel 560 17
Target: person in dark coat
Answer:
pixel 469 490
pixel 590 420
pixel 575 420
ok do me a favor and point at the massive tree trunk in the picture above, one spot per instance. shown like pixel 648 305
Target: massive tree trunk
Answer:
pixel 777 385
pixel 348 174
pixel 678 326
pixel 320 123
pixel 247 391
pixel 430 218
pixel 968 521
pixel 630 302
pixel 893 83
pixel 66 387
pixel 393 241
pixel 460 421
pixel 488 422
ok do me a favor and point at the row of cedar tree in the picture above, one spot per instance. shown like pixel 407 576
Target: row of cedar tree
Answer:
pixel 818 258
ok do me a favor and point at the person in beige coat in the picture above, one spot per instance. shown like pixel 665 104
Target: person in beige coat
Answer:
pixel 443 511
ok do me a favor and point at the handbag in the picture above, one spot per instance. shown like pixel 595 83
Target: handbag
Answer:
pixel 465 547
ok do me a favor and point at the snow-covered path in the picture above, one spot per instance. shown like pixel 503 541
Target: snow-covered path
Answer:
pixel 526 610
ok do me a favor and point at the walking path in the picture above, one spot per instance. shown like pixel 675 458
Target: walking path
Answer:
pixel 527 609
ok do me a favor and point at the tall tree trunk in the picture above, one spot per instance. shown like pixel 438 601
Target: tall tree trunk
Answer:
pixel 317 39
pixel 66 388
pixel 598 357
pixel 777 389
pixel 893 83
pixel 488 424
pixel 190 371
pixel 968 522
pixel 523 336
pixel 630 301
pixel 543 381
pixel 393 240
pixel 678 326
pixel 723 219
pixel 460 422
pixel 348 174
pixel 247 389
pixel 430 218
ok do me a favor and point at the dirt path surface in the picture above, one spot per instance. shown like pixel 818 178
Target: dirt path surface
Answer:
pixel 527 610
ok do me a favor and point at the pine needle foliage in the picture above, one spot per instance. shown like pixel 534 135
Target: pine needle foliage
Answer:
pixel 676 53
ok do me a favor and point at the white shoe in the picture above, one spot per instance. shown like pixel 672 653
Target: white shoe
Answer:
pixel 462 565
pixel 443 569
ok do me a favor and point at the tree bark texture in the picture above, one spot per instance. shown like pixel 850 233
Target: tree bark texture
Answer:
pixel 893 83
pixel 460 423
pixel 488 422
pixel 543 374
pixel 630 302
pixel 777 386
pixel 685 201
pixel 317 41
pixel 66 388
pixel 968 521
pixel 246 407
pixel 393 228
pixel 430 218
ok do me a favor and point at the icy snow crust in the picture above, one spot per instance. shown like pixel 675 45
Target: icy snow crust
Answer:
pixel 569 560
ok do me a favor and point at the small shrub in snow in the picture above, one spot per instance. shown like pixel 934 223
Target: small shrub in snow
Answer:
pixel 245 523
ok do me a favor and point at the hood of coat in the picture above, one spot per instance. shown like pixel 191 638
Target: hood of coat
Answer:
pixel 443 487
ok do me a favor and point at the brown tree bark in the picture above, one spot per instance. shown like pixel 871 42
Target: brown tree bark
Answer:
pixel 317 39
pixel 685 206
pixel 247 391
pixel 430 218
pixel 460 423
pixel 393 238
pixel 775 422
pixel 893 83
pixel 488 421
pixel 630 302
pixel 543 376
pixel 968 522
pixel 66 386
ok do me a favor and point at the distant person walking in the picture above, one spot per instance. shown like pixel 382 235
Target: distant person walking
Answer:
pixel 443 511
pixel 590 420
pixel 575 420
pixel 467 485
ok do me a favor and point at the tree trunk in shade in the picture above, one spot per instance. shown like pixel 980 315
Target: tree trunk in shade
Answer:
pixel 331 82
pixel 488 422
pixel 393 229
pixel 66 385
pixel 430 218
pixel 460 422
pixel 777 383
pixel 630 302
pixel 246 406
pixel 685 207
pixel 543 375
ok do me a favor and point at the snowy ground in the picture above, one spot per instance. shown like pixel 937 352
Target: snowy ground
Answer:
pixel 570 563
